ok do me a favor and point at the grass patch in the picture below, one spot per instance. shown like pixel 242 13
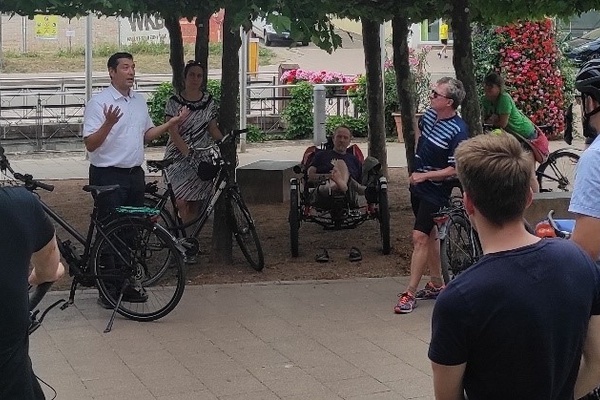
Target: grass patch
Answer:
pixel 150 58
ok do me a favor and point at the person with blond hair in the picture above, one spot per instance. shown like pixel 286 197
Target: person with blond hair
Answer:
pixel 515 324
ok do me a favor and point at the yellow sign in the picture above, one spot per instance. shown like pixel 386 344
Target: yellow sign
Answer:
pixel 46 26
pixel 253 56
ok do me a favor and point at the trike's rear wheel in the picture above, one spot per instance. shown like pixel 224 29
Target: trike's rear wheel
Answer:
pixel 140 259
pixel 294 219
pixel 243 229
pixel 384 217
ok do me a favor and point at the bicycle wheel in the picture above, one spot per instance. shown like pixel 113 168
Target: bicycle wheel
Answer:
pixel 558 172
pixel 458 248
pixel 294 220
pixel 384 219
pixel 136 254
pixel 243 229
pixel 165 218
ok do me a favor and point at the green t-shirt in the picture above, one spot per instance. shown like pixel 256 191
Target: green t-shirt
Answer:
pixel 518 123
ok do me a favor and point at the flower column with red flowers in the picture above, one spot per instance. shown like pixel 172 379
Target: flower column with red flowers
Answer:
pixel 529 63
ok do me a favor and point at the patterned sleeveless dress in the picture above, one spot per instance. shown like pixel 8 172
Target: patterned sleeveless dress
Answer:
pixel 194 131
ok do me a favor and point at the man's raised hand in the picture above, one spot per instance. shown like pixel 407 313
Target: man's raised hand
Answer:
pixel 112 115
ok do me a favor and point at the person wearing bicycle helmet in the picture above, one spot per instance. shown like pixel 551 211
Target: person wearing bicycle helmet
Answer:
pixel 26 238
pixel 585 202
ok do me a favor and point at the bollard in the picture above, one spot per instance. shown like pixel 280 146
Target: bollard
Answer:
pixel 319 114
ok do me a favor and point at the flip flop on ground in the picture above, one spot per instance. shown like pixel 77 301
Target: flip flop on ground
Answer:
pixel 355 254
pixel 323 256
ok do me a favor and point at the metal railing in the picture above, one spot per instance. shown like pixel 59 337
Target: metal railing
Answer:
pixel 52 108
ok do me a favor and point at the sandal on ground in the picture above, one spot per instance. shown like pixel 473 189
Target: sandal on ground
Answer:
pixel 323 256
pixel 355 254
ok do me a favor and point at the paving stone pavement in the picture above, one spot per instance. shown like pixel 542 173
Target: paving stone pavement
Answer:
pixel 281 340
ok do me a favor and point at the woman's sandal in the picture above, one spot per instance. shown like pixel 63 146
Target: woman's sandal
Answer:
pixel 322 257
pixel 355 254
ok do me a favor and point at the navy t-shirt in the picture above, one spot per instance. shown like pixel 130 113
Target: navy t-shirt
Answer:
pixel 435 151
pixel 323 158
pixel 518 319
pixel 25 230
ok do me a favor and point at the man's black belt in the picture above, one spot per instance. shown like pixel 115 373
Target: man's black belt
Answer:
pixel 120 170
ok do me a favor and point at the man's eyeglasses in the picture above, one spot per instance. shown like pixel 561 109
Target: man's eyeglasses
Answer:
pixel 193 62
pixel 435 95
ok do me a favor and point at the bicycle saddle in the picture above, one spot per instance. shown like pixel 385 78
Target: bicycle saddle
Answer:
pixel 98 190
pixel 159 164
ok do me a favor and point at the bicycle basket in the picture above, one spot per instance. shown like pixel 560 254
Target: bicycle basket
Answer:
pixel 206 163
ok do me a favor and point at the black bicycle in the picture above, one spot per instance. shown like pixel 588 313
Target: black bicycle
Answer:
pixel 557 173
pixel 125 252
pixel 215 168
pixel 459 243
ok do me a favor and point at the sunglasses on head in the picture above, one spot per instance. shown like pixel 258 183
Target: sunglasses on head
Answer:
pixel 435 94
pixel 194 62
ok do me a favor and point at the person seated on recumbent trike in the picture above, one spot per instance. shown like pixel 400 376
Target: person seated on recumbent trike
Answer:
pixel 336 172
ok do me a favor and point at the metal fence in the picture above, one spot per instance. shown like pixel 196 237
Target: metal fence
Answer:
pixel 51 108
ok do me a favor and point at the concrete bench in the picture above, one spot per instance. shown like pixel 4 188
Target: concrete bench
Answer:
pixel 544 202
pixel 266 181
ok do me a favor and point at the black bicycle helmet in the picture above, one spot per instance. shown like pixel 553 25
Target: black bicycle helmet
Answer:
pixel 587 82
pixel 588 79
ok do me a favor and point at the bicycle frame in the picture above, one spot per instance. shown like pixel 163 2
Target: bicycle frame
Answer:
pixel 220 183
pixel 78 263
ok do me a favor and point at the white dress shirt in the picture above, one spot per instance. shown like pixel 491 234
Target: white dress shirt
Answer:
pixel 124 145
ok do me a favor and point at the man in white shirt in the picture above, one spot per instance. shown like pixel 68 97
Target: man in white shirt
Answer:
pixel 116 124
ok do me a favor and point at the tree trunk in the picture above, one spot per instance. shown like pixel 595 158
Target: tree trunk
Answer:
pixel 462 58
pixel 375 106
pixel 230 81
pixel 201 47
pixel 176 49
pixel 404 81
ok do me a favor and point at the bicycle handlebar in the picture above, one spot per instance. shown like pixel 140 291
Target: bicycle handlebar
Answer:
pixel 30 183
pixel 35 298
pixel 38 294
pixel 230 136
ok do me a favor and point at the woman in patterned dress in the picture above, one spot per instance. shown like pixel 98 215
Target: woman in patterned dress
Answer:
pixel 199 129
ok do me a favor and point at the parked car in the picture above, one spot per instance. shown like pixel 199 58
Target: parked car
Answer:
pixel 585 52
pixel 587 38
pixel 265 31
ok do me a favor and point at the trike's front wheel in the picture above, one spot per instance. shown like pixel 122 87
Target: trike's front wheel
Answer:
pixel 243 229
pixel 140 259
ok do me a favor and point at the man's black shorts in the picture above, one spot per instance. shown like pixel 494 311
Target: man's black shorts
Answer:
pixel 423 211
pixel 444 41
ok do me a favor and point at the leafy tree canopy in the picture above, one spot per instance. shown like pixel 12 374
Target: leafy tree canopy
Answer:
pixel 507 11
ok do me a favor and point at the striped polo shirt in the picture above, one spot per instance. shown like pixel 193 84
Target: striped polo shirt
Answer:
pixel 435 151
